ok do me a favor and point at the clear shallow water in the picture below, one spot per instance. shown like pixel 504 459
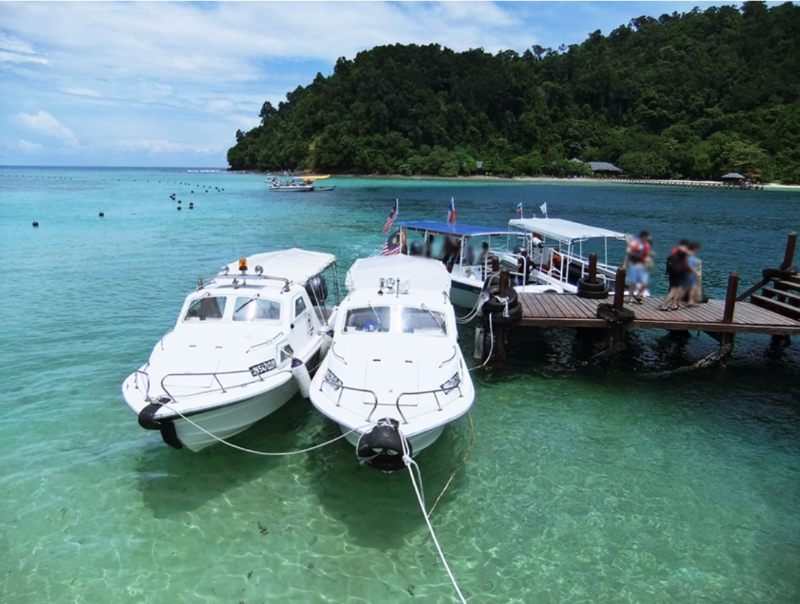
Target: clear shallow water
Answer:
pixel 584 484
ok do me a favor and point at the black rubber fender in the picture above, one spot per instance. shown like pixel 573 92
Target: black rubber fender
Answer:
pixel 584 285
pixel 514 315
pixel 611 315
pixel 382 447
pixel 494 304
pixel 147 418
pixel 779 273
pixel 602 295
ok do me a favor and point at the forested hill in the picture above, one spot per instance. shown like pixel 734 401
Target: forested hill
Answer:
pixel 690 95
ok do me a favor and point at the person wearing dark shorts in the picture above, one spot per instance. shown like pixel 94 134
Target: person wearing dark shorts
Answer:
pixel 676 272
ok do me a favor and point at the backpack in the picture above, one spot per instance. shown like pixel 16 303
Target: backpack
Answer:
pixel 673 263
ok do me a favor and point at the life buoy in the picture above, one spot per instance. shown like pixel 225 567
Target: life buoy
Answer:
pixel 556 260
pixel 382 446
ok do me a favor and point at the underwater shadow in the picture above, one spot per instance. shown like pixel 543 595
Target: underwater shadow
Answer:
pixel 380 510
pixel 174 481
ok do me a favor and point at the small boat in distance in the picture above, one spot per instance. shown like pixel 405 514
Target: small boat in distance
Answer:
pixel 395 376
pixel 239 351
pixel 293 185
pixel 325 188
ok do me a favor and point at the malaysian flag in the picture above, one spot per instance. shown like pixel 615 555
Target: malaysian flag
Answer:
pixel 393 244
pixel 392 216
pixel 451 212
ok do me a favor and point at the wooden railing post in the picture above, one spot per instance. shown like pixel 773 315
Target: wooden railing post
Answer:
pixel 730 297
pixel 592 268
pixel 788 256
pixel 619 289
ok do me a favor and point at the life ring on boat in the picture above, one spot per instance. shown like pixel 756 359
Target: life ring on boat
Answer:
pixel 611 315
pixel 556 260
pixel 382 447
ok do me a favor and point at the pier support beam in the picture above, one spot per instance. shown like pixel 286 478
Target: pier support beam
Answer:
pixel 727 339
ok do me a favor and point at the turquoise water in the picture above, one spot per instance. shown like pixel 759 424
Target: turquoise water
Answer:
pixel 583 484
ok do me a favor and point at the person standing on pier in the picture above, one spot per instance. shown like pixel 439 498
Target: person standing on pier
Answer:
pixel 638 256
pixel 677 266
pixel 693 274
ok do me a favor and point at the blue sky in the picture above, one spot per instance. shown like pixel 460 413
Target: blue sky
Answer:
pixel 168 84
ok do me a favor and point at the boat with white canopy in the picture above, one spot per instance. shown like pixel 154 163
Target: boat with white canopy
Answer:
pixel 467 251
pixel 395 375
pixel 558 250
pixel 243 344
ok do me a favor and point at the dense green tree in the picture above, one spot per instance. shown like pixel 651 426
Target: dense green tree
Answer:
pixel 689 95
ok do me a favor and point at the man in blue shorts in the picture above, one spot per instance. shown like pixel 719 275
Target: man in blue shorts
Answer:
pixel 637 259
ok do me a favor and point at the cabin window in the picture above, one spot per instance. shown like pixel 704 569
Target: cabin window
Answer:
pixel 395 319
pixel 256 309
pixel 371 319
pixel 207 308
pixel 299 307
pixel 422 321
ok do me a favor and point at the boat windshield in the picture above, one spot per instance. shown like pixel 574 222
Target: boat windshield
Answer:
pixel 395 319
pixel 207 308
pixel 256 309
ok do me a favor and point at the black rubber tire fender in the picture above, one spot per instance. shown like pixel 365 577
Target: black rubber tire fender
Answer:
pixel 584 285
pixel 493 304
pixel 514 315
pixel 386 437
pixel 601 295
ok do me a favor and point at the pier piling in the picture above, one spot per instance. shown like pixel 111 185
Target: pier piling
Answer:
pixel 788 256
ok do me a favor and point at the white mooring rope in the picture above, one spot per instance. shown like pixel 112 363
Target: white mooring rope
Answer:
pixel 421 499
pixel 246 450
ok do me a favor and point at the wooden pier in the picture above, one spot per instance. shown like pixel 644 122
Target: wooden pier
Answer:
pixel 771 307
pixel 569 310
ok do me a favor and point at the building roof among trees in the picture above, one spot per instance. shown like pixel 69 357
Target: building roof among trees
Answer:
pixel 735 175
pixel 603 166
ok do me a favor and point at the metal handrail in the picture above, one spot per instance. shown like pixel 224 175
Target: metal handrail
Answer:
pixel 268 342
pixel 433 392
pixel 342 388
pixel 216 375
pixel 201 282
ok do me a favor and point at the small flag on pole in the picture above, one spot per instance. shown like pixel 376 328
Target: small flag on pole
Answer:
pixel 392 216
pixel 543 208
pixel 393 244
pixel 519 208
pixel 451 213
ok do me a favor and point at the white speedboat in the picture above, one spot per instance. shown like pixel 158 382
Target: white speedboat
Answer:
pixel 244 342
pixel 294 185
pixel 558 251
pixel 467 251
pixel 395 376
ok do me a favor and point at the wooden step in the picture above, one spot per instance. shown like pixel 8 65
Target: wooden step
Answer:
pixel 789 298
pixel 781 308
pixel 787 285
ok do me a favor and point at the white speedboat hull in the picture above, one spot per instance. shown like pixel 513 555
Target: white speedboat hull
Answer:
pixel 230 420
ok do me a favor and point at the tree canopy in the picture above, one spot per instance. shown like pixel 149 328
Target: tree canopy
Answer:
pixel 687 95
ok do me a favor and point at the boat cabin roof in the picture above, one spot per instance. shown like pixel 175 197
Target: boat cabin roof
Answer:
pixel 453 229
pixel 420 273
pixel 293 265
pixel 565 231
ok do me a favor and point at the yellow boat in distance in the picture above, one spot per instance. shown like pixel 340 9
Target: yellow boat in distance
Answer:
pixel 317 176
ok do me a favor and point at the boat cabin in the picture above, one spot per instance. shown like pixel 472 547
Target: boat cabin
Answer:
pixel 558 250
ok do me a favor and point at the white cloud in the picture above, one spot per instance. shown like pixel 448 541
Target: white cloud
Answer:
pixel 15 50
pixel 163 146
pixel 82 92
pixel 46 124
pixel 29 147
